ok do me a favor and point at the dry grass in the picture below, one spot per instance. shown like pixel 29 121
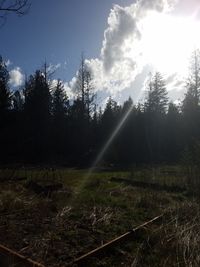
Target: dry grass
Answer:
pixel 57 229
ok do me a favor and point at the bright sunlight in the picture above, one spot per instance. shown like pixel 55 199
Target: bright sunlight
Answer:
pixel 168 41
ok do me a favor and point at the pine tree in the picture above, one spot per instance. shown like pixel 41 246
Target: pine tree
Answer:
pixel 5 100
pixel 17 101
pixel 173 134
pixel 191 103
pixel 60 109
pixel 85 90
pixel 37 109
pixel 155 112
pixel 157 99
pixel 110 115
pixel 191 100
pixel 5 114
pixel 60 101
pixel 37 97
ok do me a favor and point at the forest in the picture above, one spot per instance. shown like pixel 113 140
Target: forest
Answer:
pixel 40 124
pixel 75 177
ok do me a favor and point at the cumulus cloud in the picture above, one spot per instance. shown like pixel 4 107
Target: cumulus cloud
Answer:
pixel 157 5
pixel 122 65
pixel 121 59
pixel 16 77
pixel 68 90
pixel 122 37
pixel 121 24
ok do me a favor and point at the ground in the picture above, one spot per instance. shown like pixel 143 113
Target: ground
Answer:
pixel 58 226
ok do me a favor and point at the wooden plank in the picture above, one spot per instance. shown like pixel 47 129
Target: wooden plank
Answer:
pixel 12 258
pixel 114 241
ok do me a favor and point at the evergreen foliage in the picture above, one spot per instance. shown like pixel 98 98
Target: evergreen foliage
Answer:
pixel 41 124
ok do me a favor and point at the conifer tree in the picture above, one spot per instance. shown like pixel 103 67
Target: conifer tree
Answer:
pixel 5 97
pixel 191 100
pixel 59 101
pixel 157 99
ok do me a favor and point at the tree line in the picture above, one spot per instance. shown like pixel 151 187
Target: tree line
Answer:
pixel 40 124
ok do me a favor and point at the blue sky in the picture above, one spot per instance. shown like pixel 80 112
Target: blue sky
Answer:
pixel 57 31
pixel 122 40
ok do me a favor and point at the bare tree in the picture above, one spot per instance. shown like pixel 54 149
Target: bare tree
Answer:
pixel 84 87
pixel 18 7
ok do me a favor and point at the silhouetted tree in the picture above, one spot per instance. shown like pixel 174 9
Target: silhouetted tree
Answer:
pixel 85 89
pixel 42 124
pixel 110 116
pixel 127 136
pixel 157 99
pixel 5 114
pixel 89 95
pixel 82 111
pixel 59 101
pixel 60 112
pixel 37 97
pixel 173 134
pixel 109 120
pixel 5 96
pixel 191 107
pixel 155 110
pixel 17 101
pixel 191 101
pixel 37 108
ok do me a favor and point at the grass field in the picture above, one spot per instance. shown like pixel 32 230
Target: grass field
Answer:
pixel 91 210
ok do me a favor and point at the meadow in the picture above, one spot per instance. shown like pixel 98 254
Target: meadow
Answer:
pixel 57 227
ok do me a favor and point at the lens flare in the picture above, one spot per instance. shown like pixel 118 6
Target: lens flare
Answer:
pixel 108 142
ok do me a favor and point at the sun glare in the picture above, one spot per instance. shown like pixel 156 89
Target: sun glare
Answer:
pixel 167 42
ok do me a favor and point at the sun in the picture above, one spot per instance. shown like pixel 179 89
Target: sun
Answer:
pixel 167 42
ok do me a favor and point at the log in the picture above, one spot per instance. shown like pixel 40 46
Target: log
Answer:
pixel 9 257
pixel 114 242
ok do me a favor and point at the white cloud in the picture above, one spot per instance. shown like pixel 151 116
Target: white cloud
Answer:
pixel 68 90
pixel 16 77
pixel 8 62
pixel 128 48
pixel 51 68
pixel 157 5
pixel 121 59
pixel 121 25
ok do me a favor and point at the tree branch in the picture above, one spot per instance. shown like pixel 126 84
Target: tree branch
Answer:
pixel 20 7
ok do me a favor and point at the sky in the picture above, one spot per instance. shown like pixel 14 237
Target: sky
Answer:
pixel 122 40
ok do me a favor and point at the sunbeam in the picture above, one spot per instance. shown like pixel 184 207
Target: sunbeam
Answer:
pixel 108 143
